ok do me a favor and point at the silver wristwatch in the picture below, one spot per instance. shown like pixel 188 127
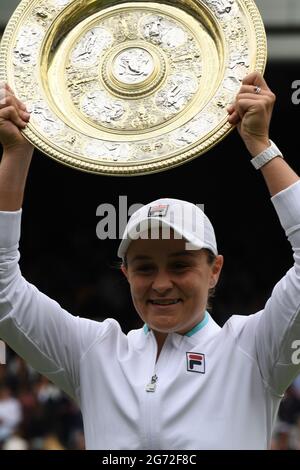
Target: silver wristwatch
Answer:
pixel 267 155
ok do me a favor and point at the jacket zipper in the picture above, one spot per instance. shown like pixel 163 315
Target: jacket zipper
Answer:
pixel 151 387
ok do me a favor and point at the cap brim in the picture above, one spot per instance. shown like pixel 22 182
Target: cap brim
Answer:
pixel 194 243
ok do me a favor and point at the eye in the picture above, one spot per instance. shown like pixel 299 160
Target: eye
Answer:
pixel 144 268
pixel 179 266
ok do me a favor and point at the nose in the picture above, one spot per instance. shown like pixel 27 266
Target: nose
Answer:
pixel 162 282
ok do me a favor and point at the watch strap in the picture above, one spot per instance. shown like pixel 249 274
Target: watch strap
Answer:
pixel 266 156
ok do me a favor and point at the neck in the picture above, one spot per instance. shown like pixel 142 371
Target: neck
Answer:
pixel 160 339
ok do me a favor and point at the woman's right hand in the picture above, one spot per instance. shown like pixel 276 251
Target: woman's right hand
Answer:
pixel 13 118
pixel 17 151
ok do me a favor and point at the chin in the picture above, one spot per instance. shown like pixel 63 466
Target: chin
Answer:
pixel 164 327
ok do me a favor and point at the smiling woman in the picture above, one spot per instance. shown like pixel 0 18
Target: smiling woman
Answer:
pixel 171 267
pixel 159 386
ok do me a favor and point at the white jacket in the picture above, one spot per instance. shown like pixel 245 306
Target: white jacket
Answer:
pixel 224 396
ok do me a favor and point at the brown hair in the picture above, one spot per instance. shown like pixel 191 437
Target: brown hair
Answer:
pixel 211 258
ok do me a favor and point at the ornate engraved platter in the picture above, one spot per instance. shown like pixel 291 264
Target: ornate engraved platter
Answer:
pixel 129 88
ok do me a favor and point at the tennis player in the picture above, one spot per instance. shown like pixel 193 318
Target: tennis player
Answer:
pixel 181 381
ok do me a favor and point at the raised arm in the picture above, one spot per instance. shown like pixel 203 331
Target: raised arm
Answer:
pixel 271 336
pixel 17 151
pixel 35 326
pixel 252 112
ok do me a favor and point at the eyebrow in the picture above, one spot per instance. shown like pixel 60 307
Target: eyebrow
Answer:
pixel 141 258
pixel 183 253
pixel 188 253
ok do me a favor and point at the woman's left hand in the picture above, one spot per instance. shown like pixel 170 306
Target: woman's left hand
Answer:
pixel 252 112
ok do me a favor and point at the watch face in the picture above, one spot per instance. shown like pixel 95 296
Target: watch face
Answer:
pixel 129 88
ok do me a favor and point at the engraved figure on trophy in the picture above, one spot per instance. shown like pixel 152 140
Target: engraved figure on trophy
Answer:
pixel 90 46
pixel 238 64
pixel 222 6
pixel 26 50
pixel 109 150
pixel 100 107
pixel 143 119
pixel 190 133
pixel 161 31
pixel 133 65
pixel 178 93
pixel 117 151
pixel 46 119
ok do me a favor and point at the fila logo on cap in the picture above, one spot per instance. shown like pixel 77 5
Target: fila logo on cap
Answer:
pixel 195 362
pixel 158 211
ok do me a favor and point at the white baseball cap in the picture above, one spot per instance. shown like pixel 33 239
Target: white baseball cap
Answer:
pixel 187 220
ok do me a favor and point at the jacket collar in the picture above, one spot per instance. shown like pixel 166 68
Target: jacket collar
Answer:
pixel 193 331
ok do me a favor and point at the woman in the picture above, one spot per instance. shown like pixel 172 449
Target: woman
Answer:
pixel 181 382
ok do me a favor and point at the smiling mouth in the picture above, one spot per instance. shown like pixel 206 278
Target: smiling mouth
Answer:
pixel 163 302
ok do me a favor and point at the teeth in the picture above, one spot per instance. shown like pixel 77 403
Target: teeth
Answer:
pixel 164 302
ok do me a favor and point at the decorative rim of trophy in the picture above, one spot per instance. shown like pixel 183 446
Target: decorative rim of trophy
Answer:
pixel 133 88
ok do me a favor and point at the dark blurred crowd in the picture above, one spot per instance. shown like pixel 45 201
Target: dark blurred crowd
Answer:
pixel 286 435
pixel 36 415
